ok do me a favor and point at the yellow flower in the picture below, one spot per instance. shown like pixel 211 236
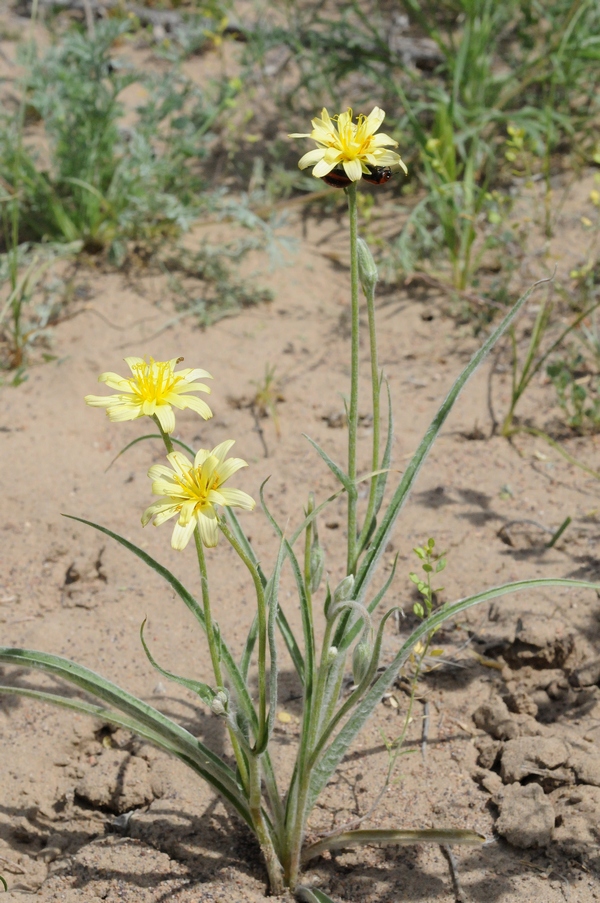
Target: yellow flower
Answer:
pixel 152 390
pixel 192 491
pixel 353 145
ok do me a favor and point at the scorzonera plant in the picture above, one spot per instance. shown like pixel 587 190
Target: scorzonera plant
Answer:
pixel 193 489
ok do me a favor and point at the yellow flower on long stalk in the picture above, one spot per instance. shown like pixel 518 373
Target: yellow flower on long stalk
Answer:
pixel 192 490
pixel 353 145
pixel 153 390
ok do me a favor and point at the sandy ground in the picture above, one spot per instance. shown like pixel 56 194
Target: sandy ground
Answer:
pixel 525 771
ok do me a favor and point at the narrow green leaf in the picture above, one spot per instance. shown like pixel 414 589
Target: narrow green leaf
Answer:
pixel 239 686
pixel 290 641
pixel 282 622
pixel 344 636
pixel 249 648
pixel 307 894
pixel 337 749
pixel 141 712
pixel 307 673
pixel 246 709
pixel 384 837
pixel 237 530
pixel 141 730
pixel 362 687
pixel 206 693
pixel 368 566
pixel 142 439
pixel 387 454
pixel 3 883
pixel 273 602
pixel 336 470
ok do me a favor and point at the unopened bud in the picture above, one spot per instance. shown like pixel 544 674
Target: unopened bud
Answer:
pixel 317 563
pixel 219 704
pixel 331 655
pixel 367 270
pixel 361 659
pixel 344 590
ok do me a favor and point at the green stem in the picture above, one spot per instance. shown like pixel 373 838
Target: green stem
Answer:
pixel 262 630
pixel 296 835
pixel 214 651
pixel 272 862
pixel 270 781
pixel 211 635
pixel 353 408
pixel 376 395
pixel 324 669
pixel 165 436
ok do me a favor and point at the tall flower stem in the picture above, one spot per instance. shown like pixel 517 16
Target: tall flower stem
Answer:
pixel 208 621
pixel 354 365
pixel 376 395
pixel 213 645
pixel 165 436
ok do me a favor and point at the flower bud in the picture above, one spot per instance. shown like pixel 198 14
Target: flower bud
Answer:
pixel 317 563
pixel 361 659
pixel 331 655
pixel 344 590
pixel 219 704
pixel 367 270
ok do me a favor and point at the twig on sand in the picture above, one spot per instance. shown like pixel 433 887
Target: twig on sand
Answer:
pixel 425 730
pixel 459 894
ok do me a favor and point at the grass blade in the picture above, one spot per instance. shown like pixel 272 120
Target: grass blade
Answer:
pixel 384 837
pixel 336 470
pixel 206 693
pixel 307 894
pixel 142 439
pixel 235 676
pixel 136 727
pixel 140 712
pixel 337 749
pixel 379 541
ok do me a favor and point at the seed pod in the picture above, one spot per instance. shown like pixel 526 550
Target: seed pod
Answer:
pixel 331 655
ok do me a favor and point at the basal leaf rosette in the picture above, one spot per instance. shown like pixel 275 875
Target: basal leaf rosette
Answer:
pixel 153 390
pixel 353 145
pixel 192 490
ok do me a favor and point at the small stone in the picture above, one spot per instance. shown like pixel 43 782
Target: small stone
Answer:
pixel 489 751
pixel 494 718
pixel 119 782
pixel 528 755
pixel 587 675
pixel 526 816
pixel 586 765
pixel 577 818
pixel 540 644
pixel 489 780
pixel 521 703
pixel 55 846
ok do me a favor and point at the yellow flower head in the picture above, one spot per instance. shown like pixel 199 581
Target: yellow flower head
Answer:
pixel 192 491
pixel 353 145
pixel 154 389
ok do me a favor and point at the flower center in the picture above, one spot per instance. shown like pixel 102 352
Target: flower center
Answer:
pixel 197 485
pixel 154 381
